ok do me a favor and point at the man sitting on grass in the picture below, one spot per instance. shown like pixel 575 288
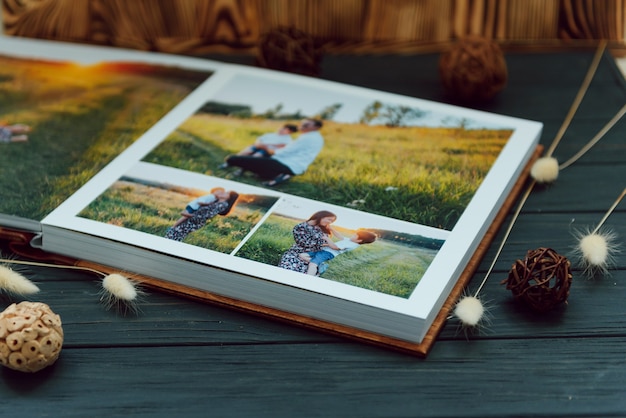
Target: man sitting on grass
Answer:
pixel 284 163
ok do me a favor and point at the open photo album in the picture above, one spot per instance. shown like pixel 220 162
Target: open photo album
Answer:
pixel 350 210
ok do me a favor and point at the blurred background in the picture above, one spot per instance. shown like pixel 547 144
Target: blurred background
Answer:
pixel 197 27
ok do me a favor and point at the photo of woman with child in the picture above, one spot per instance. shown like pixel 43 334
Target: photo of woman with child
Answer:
pixel 199 211
pixel 314 244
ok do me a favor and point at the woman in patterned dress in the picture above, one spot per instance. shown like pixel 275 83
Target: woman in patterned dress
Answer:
pixel 221 206
pixel 309 236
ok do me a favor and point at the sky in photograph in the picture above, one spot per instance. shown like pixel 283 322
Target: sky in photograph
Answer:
pixel 263 94
pixel 351 219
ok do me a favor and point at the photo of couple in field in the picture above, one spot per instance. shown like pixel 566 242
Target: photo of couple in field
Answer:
pixel 390 159
pixel 282 173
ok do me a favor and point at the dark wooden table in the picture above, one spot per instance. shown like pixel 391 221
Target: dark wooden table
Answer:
pixel 183 358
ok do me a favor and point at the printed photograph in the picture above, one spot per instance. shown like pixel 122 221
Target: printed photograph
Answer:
pixel 410 163
pixel 62 121
pixel 206 212
pixel 311 238
pixel 346 246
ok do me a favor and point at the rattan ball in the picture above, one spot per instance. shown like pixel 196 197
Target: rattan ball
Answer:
pixel 542 279
pixel 473 69
pixel 289 49
pixel 31 336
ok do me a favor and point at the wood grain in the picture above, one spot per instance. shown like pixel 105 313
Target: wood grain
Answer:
pixel 205 26
pixel 524 377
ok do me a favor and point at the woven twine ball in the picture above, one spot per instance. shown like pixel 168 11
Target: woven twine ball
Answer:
pixel 542 279
pixel 289 49
pixel 31 336
pixel 473 70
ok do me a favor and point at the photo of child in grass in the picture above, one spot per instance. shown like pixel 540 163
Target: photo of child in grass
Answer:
pixel 150 199
pixel 192 207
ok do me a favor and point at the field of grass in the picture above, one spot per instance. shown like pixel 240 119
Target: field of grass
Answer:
pixel 153 209
pixel 383 266
pixel 81 117
pixel 422 175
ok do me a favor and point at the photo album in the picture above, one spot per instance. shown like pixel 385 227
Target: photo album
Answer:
pixel 358 212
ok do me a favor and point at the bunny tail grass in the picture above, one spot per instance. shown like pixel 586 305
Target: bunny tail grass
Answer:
pixel 545 170
pixel 119 291
pixel 470 311
pixel 14 283
pixel 596 252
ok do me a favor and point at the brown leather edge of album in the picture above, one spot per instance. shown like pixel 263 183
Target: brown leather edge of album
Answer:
pixel 20 245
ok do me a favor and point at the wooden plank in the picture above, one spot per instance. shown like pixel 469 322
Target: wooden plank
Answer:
pixel 161 317
pixel 554 230
pixel 556 79
pixel 534 377
pixel 580 187
pixel 594 310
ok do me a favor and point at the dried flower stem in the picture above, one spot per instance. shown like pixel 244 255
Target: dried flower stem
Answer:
pixel 506 235
pixel 566 122
pixel 595 139
pixel 579 97
pixel 38 264
pixel 610 211
pixel 117 290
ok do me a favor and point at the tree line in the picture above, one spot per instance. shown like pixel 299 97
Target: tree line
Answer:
pixel 375 113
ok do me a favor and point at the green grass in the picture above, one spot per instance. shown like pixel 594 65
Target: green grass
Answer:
pixel 422 175
pixel 81 120
pixel 152 210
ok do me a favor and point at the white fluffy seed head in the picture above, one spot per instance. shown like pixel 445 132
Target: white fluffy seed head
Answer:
pixel 13 282
pixel 121 293
pixel 595 249
pixel 469 310
pixel 545 170
pixel 120 287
